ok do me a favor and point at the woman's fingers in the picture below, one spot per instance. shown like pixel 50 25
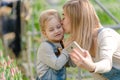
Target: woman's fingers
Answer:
pixel 83 61
pixel 77 57
pixel 79 53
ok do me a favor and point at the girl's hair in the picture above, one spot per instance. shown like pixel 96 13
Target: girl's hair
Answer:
pixel 83 20
pixel 45 17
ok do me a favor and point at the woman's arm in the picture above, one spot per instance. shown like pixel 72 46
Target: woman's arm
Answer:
pixel 107 46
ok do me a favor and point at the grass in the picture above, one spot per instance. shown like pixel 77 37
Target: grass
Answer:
pixel 73 74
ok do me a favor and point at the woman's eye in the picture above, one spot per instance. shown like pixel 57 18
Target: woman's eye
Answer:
pixel 63 18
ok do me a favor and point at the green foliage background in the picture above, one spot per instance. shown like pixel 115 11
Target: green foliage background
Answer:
pixel 112 5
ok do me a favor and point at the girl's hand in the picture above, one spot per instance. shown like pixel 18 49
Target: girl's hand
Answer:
pixel 82 59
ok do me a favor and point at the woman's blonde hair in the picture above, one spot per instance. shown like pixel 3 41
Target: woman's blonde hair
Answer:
pixel 45 17
pixel 83 20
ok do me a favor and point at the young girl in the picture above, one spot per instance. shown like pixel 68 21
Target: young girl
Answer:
pixel 50 57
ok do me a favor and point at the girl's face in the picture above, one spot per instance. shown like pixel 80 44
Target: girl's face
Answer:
pixel 66 22
pixel 54 31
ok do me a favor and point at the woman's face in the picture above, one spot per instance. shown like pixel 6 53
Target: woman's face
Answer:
pixel 66 22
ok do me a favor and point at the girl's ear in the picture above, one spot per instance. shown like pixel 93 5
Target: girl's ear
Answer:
pixel 44 33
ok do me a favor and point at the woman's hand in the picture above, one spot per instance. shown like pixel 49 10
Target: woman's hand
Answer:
pixel 82 59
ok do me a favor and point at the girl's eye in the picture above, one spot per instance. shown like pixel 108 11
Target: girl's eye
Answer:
pixel 51 30
pixel 59 26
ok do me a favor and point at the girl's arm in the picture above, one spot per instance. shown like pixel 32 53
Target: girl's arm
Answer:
pixel 48 57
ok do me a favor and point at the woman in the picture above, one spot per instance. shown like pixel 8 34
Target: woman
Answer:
pixel 100 45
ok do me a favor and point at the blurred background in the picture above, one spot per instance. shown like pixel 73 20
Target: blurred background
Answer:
pixel 20 31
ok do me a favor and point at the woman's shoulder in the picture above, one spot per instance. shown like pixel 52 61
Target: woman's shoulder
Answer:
pixel 104 29
pixel 107 32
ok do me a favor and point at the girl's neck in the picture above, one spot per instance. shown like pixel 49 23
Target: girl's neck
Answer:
pixel 54 41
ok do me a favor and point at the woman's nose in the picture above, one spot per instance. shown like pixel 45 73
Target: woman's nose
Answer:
pixel 61 22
